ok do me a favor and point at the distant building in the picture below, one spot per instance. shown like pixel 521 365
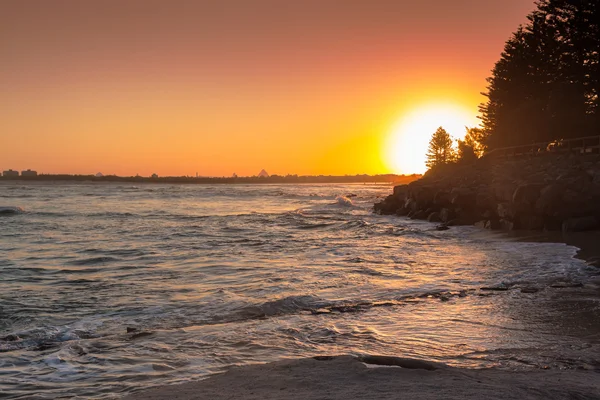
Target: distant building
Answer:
pixel 29 173
pixel 99 175
pixel 154 176
pixel 263 174
pixel 234 175
pixel 10 173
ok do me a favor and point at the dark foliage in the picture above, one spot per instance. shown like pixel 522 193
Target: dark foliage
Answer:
pixel 440 149
pixel 545 85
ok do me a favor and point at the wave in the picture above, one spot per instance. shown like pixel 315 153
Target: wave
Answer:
pixel 41 339
pixel 93 261
pixel 344 201
pixel 10 210
pixel 307 304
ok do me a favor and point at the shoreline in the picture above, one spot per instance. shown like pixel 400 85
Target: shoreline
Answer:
pixel 587 242
pixel 372 377
pixel 347 377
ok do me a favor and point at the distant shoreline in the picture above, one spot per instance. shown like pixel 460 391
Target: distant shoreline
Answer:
pixel 274 179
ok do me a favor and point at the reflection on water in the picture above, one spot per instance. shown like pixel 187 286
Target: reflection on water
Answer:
pixel 210 276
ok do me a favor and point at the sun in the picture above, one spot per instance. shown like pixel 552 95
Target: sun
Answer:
pixel 406 146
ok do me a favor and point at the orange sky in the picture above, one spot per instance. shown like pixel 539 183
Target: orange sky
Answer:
pixel 224 86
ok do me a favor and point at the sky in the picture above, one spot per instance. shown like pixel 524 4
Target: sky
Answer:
pixel 234 86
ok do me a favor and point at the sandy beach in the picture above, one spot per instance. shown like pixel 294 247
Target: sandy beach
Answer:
pixel 345 377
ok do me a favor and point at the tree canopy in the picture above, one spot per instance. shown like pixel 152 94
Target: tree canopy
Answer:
pixel 440 149
pixel 545 85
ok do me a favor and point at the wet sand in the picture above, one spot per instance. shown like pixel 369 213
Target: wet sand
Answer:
pixel 346 377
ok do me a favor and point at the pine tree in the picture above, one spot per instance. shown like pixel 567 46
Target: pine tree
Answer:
pixel 440 149
pixel 476 139
pixel 545 86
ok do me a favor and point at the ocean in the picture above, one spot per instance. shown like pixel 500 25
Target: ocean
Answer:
pixel 106 289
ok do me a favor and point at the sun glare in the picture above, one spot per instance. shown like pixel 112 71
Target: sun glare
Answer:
pixel 408 140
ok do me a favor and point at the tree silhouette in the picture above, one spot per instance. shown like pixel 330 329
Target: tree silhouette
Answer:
pixel 465 152
pixel 440 150
pixel 545 86
pixel 476 139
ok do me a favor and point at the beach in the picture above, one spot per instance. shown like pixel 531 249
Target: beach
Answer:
pixel 344 377
pixel 350 377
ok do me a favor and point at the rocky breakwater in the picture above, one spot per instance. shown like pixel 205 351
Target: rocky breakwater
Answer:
pixel 541 192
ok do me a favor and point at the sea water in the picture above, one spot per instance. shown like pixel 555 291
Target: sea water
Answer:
pixel 111 288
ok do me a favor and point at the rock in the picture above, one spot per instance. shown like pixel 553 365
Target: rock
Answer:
pixel 422 195
pixel 464 199
pixel 529 222
pixel 566 285
pixel 11 210
pixel 506 225
pixel 441 199
pixel 402 212
pixel 550 200
pixel 467 217
pixel 580 224
pixel 529 290
pixel 410 205
pixel 505 211
pixel 527 194
pixel 131 329
pixel 419 215
pixel 484 201
pixel 441 228
pixel 493 224
pixel 388 206
pixel 447 214
pixel 504 192
pixel 480 224
pixel 500 288
pixel 140 335
pixel 434 217
pixel 400 191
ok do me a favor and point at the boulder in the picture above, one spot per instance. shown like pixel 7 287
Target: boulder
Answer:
pixel 505 211
pixel 421 214
pixel 503 191
pixel 410 205
pixel 527 194
pixel 400 191
pixel 423 195
pixel 441 199
pixel 464 199
pixel 447 214
pixel 528 222
pixel 480 224
pixel 434 217
pixel 484 201
pixel 507 225
pixel 550 200
pixel 580 224
pixel 402 212
pixel 388 206
pixel 493 224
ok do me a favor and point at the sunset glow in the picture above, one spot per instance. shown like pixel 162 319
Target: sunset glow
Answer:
pixel 216 88
pixel 407 143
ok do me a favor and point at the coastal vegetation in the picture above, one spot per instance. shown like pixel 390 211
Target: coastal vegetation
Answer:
pixel 543 90
pixel 545 85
